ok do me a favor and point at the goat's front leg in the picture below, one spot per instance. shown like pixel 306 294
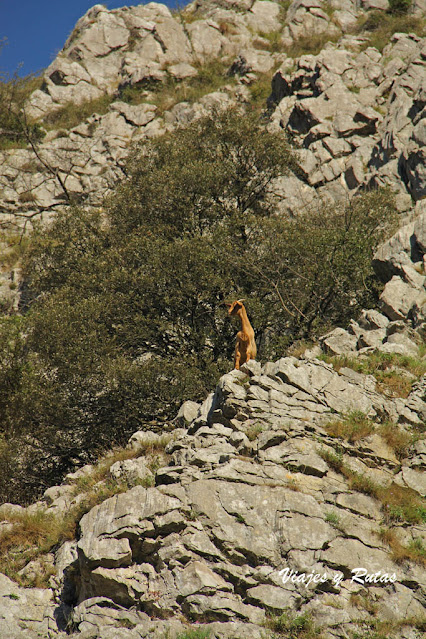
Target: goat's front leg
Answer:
pixel 237 357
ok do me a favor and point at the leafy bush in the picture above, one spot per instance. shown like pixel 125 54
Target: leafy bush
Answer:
pixel 127 319
pixel 15 129
pixel 400 7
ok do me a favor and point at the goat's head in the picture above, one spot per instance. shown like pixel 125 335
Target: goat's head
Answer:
pixel 234 307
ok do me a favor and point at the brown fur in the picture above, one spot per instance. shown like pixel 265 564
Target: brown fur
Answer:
pixel 245 348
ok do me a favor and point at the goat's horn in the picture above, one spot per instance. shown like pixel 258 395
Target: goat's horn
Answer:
pixel 240 301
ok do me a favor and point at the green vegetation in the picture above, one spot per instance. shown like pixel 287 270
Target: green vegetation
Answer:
pixel 197 633
pixel 356 426
pixel 310 44
pixel 211 76
pixel 351 427
pixel 13 246
pixel 270 40
pixel 71 114
pixel 400 7
pixel 398 503
pixel 294 627
pixel 379 26
pixel 127 317
pixel 333 519
pixel 32 535
pixel 395 374
pixel 15 129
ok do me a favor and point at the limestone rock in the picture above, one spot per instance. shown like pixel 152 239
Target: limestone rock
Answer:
pixel 133 513
pixel 399 300
pixel 338 342
pixel 130 470
pixel 24 613
pixel 393 254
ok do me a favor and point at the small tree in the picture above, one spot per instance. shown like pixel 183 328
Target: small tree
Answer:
pixel 127 318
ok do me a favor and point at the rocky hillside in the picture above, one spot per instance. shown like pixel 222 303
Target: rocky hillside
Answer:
pixel 139 71
pixel 125 75
pixel 290 503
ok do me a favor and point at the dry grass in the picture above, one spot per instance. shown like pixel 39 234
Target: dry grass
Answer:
pixel 377 629
pixel 254 431
pixel 356 426
pixel 379 26
pixel 154 454
pixel 398 503
pixel 401 503
pixel 352 427
pixel 397 439
pixel 292 484
pixel 310 44
pixel 33 535
pixel 298 348
pixel 363 602
pixel 415 552
pixel 27 197
pixel 394 373
pixel 72 114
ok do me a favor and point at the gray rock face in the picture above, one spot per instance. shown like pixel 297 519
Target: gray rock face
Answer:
pixel 399 299
pixel 358 116
pixel 351 135
pixel 247 492
pixel 338 342
pixel 212 539
pixel 25 613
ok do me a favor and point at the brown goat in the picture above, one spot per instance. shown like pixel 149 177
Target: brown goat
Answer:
pixel 245 348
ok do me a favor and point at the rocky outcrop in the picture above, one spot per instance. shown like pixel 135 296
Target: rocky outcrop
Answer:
pixel 358 115
pixel 400 328
pixel 246 501
pixel 250 516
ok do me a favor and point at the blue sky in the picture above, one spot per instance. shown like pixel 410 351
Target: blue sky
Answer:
pixel 37 29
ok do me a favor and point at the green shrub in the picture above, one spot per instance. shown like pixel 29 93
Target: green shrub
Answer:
pixel 15 129
pixel 127 317
pixel 294 626
pixel 399 503
pixel 399 7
